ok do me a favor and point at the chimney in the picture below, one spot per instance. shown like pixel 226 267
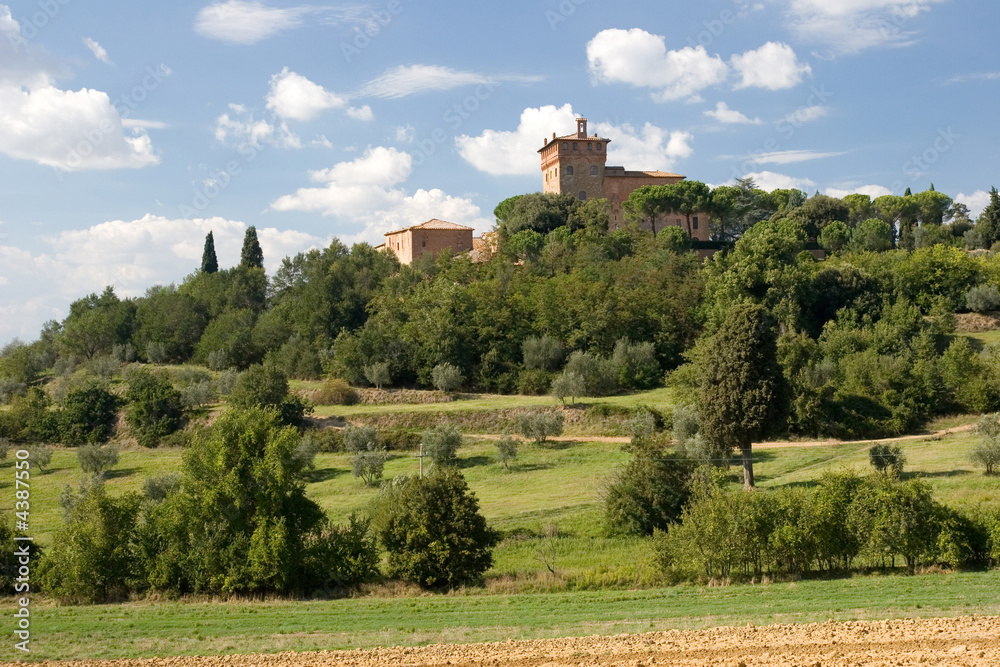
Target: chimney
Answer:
pixel 581 128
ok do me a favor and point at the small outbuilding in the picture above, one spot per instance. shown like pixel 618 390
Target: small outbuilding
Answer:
pixel 432 237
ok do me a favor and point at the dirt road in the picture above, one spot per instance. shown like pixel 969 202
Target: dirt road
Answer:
pixel 961 642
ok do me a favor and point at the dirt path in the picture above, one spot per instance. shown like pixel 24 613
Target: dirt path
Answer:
pixel 782 444
pixel 960 642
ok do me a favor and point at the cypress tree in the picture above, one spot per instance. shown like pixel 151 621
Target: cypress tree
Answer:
pixel 209 262
pixel 252 256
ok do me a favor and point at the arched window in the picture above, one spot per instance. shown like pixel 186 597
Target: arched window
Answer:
pixel 569 171
pixel 593 170
pixel 599 144
pixel 565 146
pixel 576 146
pixel 583 196
pixel 590 147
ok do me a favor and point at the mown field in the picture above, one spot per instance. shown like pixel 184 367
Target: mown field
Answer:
pixel 549 505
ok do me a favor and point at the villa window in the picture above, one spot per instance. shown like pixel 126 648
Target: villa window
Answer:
pixel 583 196
pixel 565 146
pixel 593 170
pixel 694 222
pixel 576 146
pixel 569 171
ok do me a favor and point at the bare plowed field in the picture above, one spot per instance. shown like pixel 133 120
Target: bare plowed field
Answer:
pixel 961 642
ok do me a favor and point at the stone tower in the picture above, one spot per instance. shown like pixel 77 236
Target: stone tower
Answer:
pixel 575 164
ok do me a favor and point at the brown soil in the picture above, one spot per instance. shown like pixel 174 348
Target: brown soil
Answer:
pixel 960 642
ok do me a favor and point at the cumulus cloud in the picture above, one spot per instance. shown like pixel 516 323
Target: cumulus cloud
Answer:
pixel 727 116
pixel 99 52
pixel 128 255
pixel 976 202
pixel 296 97
pixel 514 152
pixel 773 66
pixel 856 25
pixel 407 80
pixel 641 59
pixel 67 130
pixel 873 191
pixel 366 196
pixel 768 181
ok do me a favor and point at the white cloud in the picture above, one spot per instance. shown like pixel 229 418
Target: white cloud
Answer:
pixel 650 147
pixel 850 26
pixel 773 66
pixel 239 128
pixel 404 134
pixel 365 193
pixel 978 76
pixel 727 116
pixel 768 181
pixel 806 115
pixel 501 152
pixel 873 191
pixel 128 255
pixel 363 113
pixel 240 22
pixel 791 157
pixel 976 202
pixel 296 97
pixel 408 80
pixel 131 123
pixel 99 52
pixel 69 130
pixel 641 59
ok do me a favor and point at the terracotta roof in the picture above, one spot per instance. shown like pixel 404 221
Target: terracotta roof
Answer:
pixel 431 224
pixel 570 137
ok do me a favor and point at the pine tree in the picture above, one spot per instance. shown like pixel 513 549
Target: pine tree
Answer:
pixel 209 262
pixel 252 256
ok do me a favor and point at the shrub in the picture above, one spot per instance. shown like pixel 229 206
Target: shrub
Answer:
pixel 432 530
pixel 534 383
pixel 378 374
pixel 9 388
pixel 39 456
pixel 154 407
pixel 339 557
pixel 599 375
pixel 297 359
pixel 96 460
pixel 887 459
pixel 92 558
pixel 983 298
pixel 568 384
pixel 986 452
pixel 506 450
pixel 336 392
pixel 218 360
pixel 198 394
pixel 447 378
pixel 635 364
pixel 368 460
pixel 265 386
pixel 161 486
pixel 88 416
pixel 539 425
pixel 156 353
pixel 648 494
pixel 105 367
pixel 226 380
pixel 441 444
pixel 123 354
pixel 541 354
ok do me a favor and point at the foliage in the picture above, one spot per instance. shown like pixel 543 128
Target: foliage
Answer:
pixel 568 384
pixel 93 557
pixel 432 530
pixel 506 450
pixel 545 353
pixel 887 459
pixel 335 392
pixel 265 386
pixel 447 377
pixel 368 458
pixel 88 416
pixel 986 451
pixel 154 409
pixel 648 493
pixel 209 261
pixel 378 374
pixel 441 444
pixel 599 375
pixel 982 298
pixel 251 256
pixel 635 364
pixel 539 426
pixel 744 397
pixel 96 460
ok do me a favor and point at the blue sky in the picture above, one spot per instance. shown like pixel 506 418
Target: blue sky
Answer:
pixel 129 130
